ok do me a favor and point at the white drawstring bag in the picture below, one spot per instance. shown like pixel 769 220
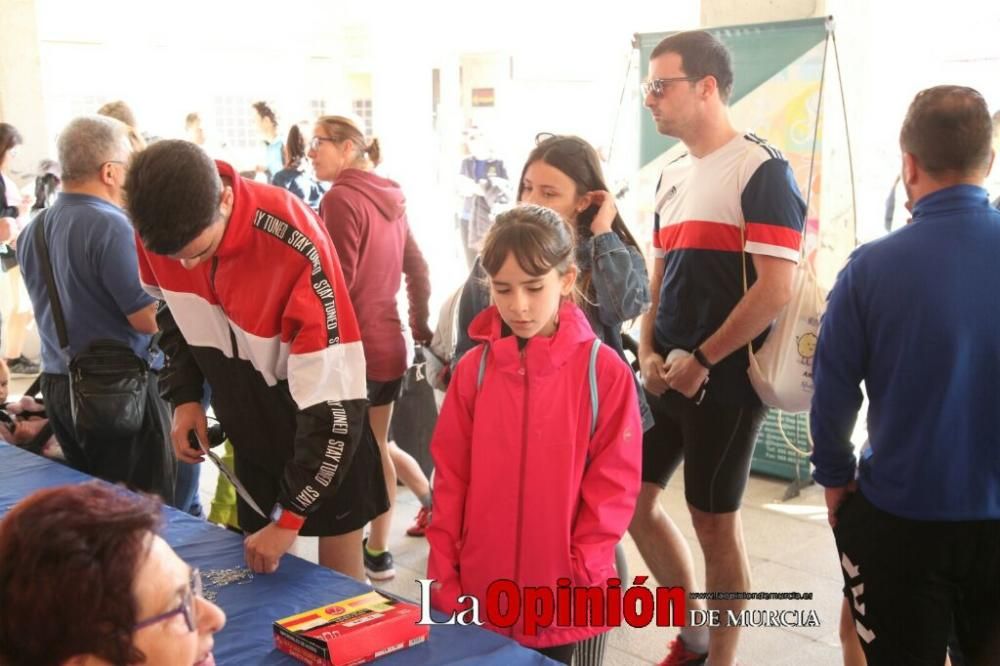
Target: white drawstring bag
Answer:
pixel 782 369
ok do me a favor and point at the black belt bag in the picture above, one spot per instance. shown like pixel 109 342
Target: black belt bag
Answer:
pixel 107 384
pixel 107 380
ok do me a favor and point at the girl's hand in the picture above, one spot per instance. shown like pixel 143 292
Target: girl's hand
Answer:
pixel 606 212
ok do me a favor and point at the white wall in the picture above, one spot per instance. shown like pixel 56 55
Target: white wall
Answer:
pixel 890 51
pixel 737 12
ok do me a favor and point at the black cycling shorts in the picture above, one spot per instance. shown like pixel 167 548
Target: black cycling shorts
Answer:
pixel 715 442
pixel 383 393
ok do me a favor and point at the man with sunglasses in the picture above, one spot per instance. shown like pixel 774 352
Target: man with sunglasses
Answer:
pixel 727 230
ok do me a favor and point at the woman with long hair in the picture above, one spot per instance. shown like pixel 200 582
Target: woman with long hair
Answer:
pixel 563 173
pixel 297 176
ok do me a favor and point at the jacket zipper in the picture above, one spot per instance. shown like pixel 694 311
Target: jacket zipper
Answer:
pixel 524 457
pixel 232 334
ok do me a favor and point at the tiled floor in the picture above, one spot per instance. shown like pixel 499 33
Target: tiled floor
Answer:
pixel 791 550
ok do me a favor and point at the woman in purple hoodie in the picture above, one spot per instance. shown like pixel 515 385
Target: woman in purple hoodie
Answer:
pixel 366 217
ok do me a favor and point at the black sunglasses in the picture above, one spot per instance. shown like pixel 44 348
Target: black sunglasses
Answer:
pixel 655 87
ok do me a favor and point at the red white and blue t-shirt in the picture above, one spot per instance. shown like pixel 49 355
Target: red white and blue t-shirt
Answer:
pixel 702 207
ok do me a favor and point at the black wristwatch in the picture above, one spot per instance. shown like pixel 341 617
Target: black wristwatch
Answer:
pixel 700 357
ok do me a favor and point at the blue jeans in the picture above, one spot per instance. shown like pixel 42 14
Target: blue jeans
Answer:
pixel 186 489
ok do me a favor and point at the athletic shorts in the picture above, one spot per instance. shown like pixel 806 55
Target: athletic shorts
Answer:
pixel 383 393
pixel 715 442
pixel 360 497
pixel 910 582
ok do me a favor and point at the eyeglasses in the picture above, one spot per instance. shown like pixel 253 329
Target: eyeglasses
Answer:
pixel 318 140
pixel 655 87
pixel 186 608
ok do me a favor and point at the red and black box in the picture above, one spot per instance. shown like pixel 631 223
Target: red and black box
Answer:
pixel 352 631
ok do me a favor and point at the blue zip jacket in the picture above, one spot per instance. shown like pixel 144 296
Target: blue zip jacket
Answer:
pixel 916 317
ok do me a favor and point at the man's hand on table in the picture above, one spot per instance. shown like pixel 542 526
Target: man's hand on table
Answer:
pixel 264 548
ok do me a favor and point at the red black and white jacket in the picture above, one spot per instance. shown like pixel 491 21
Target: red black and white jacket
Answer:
pixel 268 322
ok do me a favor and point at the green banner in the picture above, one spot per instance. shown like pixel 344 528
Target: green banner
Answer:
pixel 759 52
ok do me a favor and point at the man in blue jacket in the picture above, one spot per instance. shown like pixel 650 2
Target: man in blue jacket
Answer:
pixel 915 317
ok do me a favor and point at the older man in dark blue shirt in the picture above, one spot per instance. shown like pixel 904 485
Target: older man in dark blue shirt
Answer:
pixel 92 250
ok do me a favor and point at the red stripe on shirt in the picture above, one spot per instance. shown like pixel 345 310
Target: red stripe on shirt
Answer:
pixel 772 234
pixel 700 235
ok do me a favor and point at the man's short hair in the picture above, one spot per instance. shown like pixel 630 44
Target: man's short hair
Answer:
pixel 996 122
pixel 172 194
pixel 191 119
pixel 948 130
pixel 87 143
pixel 702 54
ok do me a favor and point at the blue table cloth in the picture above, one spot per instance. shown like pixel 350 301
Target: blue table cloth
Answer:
pixel 252 607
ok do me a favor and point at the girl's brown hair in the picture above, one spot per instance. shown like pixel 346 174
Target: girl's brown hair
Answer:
pixel 342 129
pixel 577 159
pixel 539 239
pixel 295 148
pixel 9 137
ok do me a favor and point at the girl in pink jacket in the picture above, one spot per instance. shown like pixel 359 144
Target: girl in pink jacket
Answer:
pixel 536 481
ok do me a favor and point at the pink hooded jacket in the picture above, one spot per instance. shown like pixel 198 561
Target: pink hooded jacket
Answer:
pixel 522 491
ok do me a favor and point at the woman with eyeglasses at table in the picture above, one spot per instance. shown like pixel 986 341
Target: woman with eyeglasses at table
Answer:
pixel 86 581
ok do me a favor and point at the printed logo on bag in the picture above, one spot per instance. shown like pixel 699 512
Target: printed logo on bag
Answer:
pixel 807 346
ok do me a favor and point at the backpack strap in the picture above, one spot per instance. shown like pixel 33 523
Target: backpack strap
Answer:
pixel 594 399
pixel 482 365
